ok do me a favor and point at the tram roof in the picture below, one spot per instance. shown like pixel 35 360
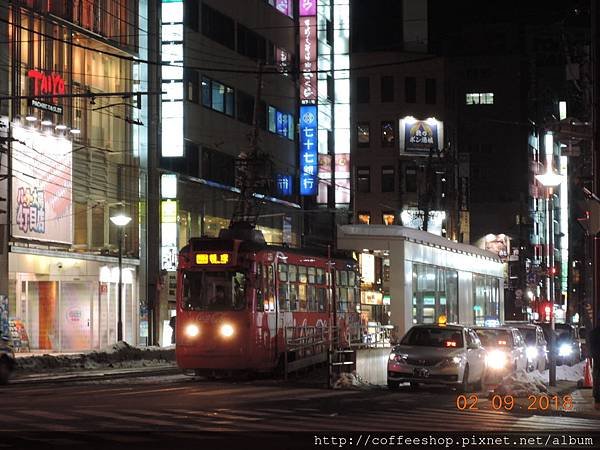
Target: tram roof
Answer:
pixel 372 234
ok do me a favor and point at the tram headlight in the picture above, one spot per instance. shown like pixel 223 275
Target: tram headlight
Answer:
pixel 226 330
pixel 192 330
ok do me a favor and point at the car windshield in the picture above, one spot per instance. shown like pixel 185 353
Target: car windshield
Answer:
pixel 530 335
pixel 494 338
pixel 434 337
pixel 564 334
pixel 213 291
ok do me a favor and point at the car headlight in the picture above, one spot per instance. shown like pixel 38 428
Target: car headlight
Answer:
pixel 192 330
pixel 398 357
pixel 532 353
pixel 454 361
pixel 496 359
pixel 226 330
pixel 565 350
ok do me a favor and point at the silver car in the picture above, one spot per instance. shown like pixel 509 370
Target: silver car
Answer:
pixel 438 354
pixel 536 345
pixel 506 352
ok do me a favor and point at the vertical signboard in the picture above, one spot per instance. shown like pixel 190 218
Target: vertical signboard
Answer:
pixel 172 78
pixel 308 59
pixel 169 251
pixel 41 200
pixel 284 185
pixel 308 150
pixel 308 8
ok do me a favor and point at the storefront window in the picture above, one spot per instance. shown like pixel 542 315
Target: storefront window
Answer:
pixel 485 299
pixel 435 292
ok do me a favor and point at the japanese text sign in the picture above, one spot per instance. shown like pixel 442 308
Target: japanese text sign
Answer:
pixel 308 150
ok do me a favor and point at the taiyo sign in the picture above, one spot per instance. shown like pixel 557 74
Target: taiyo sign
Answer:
pixel 46 84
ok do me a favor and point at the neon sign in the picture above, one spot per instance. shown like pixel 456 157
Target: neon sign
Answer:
pixel 308 150
pixel 46 85
pixel 212 258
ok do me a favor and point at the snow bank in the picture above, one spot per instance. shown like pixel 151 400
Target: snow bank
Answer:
pixel 566 373
pixel 522 384
pixel 350 380
pixel 119 355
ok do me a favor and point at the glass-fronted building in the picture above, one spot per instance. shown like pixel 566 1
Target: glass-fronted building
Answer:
pixel 430 276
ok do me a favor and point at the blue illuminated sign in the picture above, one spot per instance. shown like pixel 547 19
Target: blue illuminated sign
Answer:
pixel 308 150
pixel 284 185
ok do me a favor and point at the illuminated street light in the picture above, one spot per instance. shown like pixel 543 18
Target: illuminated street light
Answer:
pixel 121 221
pixel 550 180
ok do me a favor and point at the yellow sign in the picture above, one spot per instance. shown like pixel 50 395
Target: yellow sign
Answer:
pixel 212 258
pixel 442 321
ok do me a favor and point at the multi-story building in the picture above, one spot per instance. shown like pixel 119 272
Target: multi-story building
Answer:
pixel 252 87
pixel 74 147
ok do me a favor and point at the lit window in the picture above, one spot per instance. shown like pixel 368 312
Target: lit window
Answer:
pixel 364 218
pixel 485 98
pixel 388 219
pixel 363 132
pixel 388 135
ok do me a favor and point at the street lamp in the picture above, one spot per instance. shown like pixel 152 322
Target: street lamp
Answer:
pixel 550 180
pixel 121 221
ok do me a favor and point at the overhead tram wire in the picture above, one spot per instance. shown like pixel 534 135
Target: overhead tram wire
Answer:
pixel 222 70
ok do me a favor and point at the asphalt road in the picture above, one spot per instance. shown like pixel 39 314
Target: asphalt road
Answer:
pixel 159 412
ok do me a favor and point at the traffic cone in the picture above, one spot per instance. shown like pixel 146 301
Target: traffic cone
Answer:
pixel 587 375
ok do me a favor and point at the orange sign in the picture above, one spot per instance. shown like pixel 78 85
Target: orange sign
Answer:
pixel 212 258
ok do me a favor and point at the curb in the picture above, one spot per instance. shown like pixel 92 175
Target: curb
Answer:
pixel 103 375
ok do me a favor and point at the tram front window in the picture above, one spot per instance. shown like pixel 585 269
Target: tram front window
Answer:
pixel 214 291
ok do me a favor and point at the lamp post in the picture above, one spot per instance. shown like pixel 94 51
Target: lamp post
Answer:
pixel 550 180
pixel 121 221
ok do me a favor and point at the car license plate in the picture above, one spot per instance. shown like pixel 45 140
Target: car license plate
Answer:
pixel 421 372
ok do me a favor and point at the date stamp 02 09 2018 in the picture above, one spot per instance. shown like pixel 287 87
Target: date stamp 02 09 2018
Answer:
pixel 470 402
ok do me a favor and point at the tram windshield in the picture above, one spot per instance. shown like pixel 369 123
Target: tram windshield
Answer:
pixel 213 291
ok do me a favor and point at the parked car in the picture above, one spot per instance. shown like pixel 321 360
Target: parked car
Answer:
pixel 536 345
pixel 506 352
pixel 7 361
pixel 438 354
pixel 568 347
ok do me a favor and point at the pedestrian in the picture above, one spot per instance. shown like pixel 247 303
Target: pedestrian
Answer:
pixel 173 324
pixel 593 339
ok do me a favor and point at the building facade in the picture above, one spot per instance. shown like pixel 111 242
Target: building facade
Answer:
pixel 75 141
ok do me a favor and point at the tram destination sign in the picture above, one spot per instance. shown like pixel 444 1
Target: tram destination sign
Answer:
pixel 213 259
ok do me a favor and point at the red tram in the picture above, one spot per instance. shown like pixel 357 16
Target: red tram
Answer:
pixel 236 299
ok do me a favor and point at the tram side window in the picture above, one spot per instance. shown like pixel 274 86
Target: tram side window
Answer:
pixel 271 287
pixel 312 298
pixel 343 299
pixel 292 272
pixel 343 278
pixel 320 276
pixel 311 275
pixel 192 289
pixel 283 272
pixel 258 288
pixel 302 297
pixel 284 297
pixel 293 297
pixel 322 299
pixel 302 277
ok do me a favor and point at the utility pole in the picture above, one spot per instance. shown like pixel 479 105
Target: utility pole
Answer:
pixel 595 11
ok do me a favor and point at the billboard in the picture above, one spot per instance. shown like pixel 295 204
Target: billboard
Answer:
pixel 308 150
pixel 419 137
pixel 41 200
pixel 308 60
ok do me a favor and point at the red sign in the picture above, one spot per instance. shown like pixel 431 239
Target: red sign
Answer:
pixel 308 59
pixel 46 84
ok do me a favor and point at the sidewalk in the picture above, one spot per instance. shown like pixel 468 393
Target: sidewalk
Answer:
pixel 119 360
pixel 88 375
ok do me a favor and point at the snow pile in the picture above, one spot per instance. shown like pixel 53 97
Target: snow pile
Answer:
pixel 349 380
pixel 119 355
pixel 520 384
pixel 564 372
